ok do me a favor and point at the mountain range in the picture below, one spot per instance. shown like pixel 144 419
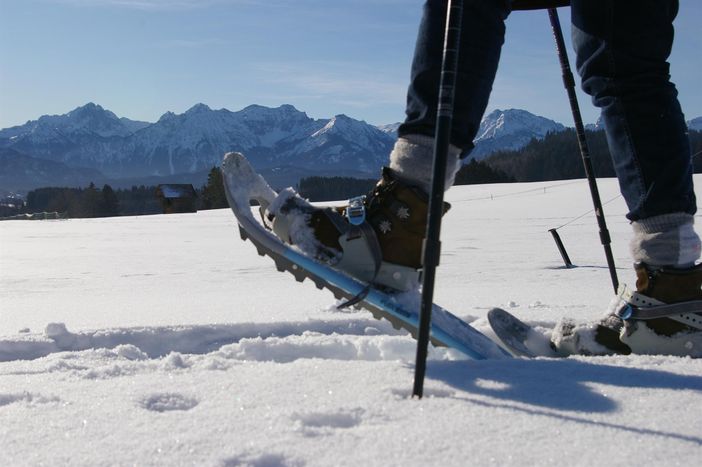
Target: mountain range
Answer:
pixel 92 143
pixel 93 137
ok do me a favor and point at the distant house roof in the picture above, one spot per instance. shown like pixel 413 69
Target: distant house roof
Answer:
pixel 176 190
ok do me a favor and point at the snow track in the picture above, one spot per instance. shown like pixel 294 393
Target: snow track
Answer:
pixel 349 339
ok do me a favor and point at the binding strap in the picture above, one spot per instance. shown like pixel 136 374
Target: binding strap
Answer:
pixel 361 232
pixel 636 306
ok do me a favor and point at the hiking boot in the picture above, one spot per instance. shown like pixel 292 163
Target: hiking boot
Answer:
pixel 377 238
pixel 639 323
pixel 678 332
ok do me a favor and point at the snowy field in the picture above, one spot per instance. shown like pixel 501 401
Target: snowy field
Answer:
pixel 165 340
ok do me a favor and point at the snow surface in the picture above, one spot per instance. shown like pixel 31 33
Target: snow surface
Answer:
pixel 166 340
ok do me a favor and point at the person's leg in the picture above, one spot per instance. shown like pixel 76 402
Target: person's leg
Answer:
pixel 482 36
pixel 389 250
pixel 622 48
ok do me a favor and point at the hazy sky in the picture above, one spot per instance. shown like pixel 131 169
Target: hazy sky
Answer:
pixel 141 58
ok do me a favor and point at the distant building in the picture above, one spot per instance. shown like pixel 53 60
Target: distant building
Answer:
pixel 177 198
pixel 10 206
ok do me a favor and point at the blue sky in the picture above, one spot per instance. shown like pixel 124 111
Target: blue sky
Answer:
pixel 141 58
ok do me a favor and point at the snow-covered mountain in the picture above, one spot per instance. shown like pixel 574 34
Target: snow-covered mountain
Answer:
pixel 93 137
pixel 342 142
pixel 274 139
pixel 390 128
pixel 88 120
pixel 20 173
pixel 510 129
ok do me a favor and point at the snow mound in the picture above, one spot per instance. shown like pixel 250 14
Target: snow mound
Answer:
pixel 284 341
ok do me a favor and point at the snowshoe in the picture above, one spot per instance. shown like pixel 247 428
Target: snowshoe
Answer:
pixel 306 257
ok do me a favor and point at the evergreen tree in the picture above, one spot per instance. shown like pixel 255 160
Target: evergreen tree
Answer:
pixel 110 203
pixel 90 203
pixel 213 196
pixel 476 172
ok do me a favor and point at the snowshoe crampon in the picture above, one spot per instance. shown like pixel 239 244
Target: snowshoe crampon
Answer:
pixel 243 185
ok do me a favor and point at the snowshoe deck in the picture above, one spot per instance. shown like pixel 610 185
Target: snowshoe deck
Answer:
pixel 242 185
pixel 520 339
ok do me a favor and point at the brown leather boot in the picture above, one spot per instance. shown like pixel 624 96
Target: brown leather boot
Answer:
pixel 377 238
pixel 668 285
pixel 663 285
pixel 397 212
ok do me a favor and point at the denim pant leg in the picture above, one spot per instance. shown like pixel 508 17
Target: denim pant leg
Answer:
pixel 482 36
pixel 622 49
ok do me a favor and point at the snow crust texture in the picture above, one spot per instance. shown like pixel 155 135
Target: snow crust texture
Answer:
pixel 165 340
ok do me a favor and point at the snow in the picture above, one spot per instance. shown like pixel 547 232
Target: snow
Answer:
pixel 166 340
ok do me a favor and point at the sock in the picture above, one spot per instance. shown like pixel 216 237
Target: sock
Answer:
pixel 413 159
pixel 666 240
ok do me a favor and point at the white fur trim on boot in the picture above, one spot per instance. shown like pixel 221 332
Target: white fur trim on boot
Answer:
pixel 413 159
pixel 666 240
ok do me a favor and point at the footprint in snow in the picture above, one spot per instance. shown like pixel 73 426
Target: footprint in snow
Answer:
pixel 318 423
pixel 27 398
pixel 428 392
pixel 265 460
pixel 167 401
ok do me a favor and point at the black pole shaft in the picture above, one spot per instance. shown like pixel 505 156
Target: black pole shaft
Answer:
pixel 432 244
pixel 569 83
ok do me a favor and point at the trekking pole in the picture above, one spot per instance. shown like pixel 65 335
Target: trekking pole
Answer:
pixel 432 245
pixel 569 84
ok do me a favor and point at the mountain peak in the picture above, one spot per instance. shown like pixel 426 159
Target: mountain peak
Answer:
pixel 91 110
pixel 350 129
pixel 256 110
pixel 510 129
pixel 166 117
pixel 197 109
pixel 288 108
pixel 89 106
pixel 335 124
pixel 389 128
pixel 514 121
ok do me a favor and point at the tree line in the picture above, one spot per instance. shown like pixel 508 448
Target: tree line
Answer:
pixel 92 201
pixel 340 188
pixel 557 157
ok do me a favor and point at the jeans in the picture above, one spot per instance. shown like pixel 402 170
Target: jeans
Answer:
pixel 621 49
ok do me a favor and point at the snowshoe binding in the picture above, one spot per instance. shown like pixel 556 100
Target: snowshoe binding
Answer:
pixel 376 238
